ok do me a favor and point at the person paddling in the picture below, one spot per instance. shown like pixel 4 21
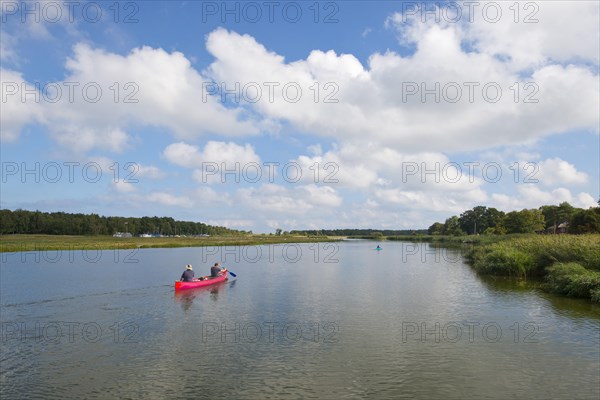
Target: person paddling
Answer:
pixel 188 274
pixel 215 270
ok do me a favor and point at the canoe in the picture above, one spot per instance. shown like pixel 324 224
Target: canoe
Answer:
pixel 197 283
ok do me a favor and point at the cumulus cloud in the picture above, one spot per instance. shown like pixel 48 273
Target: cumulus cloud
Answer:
pixel 531 196
pixel 147 171
pixel 364 165
pixel 539 34
pixel 17 110
pixel 122 186
pixel 190 156
pixel 441 98
pixel 168 199
pixel 279 200
pixel 205 196
pixel 7 48
pixel 109 94
pixel 217 161
pixel 419 200
pixel 525 35
pixel 555 171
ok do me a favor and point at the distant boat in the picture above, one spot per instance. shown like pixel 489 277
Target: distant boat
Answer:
pixel 378 248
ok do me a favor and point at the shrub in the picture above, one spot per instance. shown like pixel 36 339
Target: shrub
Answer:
pixel 573 280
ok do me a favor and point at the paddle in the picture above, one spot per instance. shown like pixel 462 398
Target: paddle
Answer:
pixel 232 274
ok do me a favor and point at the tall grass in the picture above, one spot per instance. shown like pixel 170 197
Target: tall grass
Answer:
pixel 573 280
pixel 449 240
pixel 570 264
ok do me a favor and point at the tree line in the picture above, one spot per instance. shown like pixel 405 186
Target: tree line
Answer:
pixel 60 223
pixel 358 232
pixel 563 218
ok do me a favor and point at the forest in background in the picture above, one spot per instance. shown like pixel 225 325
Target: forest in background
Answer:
pixel 60 223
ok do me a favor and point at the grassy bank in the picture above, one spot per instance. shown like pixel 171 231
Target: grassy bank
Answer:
pixel 12 243
pixel 568 264
pixel 450 240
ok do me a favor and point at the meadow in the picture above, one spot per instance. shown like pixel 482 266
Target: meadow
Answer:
pixel 13 243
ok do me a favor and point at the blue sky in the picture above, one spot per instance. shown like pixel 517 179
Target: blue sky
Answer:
pixel 299 115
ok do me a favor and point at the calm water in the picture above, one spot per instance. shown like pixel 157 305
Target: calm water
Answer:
pixel 332 321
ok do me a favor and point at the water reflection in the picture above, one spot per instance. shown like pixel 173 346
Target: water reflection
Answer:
pixel 567 306
pixel 504 284
pixel 572 307
pixel 186 297
pixel 394 312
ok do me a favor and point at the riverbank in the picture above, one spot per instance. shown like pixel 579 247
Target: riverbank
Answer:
pixel 14 243
pixel 566 264
pixel 450 241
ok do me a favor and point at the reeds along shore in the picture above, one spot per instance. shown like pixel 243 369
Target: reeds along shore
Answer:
pixel 568 264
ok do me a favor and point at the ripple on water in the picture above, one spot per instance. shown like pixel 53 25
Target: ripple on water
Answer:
pixel 367 296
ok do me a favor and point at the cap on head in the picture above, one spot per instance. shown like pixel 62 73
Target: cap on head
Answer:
pixel 189 266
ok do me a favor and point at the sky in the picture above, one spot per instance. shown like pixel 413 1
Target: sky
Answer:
pixel 299 114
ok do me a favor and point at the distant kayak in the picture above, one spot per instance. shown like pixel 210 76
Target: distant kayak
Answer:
pixel 205 281
pixel 378 248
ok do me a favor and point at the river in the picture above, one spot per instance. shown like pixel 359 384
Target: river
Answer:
pixel 327 321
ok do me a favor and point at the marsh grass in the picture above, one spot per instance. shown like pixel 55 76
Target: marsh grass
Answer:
pixel 573 280
pixel 569 264
pixel 15 243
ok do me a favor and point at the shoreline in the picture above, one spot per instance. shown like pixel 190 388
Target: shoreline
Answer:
pixel 27 242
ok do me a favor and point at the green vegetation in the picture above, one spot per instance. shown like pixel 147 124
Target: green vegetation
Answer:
pixel 574 280
pixel 359 233
pixel 569 264
pixel 12 243
pixel 60 223
pixel 449 241
pixel 563 218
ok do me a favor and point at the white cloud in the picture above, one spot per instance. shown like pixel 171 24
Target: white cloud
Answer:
pixel 204 196
pixel 531 196
pixel 340 98
pixel 153 88
pixel 420 200
pixel 7 48
pixel 81 139
pixel 244 224
pixel 168 199
pixel 123 186
pixel 320 195
pixel 217 161
pixel 584 200
pixel 229 153
pixel 183 154
pixel 524 34
pixel 278 200
pixel 376 102
pixel 557 31
pixel 147 171
pixel 555 171
pixel 17 110
pixel 361 165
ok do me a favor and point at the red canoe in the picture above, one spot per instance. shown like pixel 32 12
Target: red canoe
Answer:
pixel 196 283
